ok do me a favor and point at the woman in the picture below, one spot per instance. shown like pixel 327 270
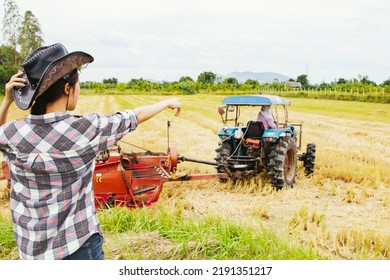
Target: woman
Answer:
pixel 51 155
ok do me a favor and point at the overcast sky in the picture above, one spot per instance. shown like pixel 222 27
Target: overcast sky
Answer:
pixel 168 39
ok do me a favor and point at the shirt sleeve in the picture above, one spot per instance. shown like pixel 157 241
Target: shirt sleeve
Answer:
pixel 271 123
pixel 4 148
pixel 112 128
pixel 268 122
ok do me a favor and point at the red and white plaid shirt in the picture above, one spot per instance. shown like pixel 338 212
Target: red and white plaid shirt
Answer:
pixel 52 160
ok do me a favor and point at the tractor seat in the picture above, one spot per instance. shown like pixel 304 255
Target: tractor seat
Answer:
pixel 254 132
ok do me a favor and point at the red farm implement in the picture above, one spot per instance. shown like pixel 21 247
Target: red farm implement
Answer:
pixel 134 179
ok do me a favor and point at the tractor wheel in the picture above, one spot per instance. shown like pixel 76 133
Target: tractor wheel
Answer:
pixel 309 159
pixel 223 152
pixel 282 166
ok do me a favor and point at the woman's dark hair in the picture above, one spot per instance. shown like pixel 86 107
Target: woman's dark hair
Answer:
pixel 54 92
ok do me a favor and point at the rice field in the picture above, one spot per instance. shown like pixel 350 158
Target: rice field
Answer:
pixel 341 212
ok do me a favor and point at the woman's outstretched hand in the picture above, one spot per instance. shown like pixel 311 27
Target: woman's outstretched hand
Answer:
pixel 175 105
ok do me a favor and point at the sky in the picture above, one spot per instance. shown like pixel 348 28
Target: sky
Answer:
pixel 164 40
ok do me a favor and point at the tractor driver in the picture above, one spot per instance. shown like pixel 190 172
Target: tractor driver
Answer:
pixel 265 116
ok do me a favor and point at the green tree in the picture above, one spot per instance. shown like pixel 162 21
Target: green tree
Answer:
pixel 207 78
pixel 365 80
pixel 167 86
pixel 230 84
pixel 140 84
pixel 188 87
pixel 186 79
pixel 11 26
pixel 341 81
pixel 252 84
pixel 230 81
pixel 110 81
pixel 98 87
pixel 30 35
pixel 303 80
pixel 276 85
pixel 386 83
pixel 7 67
pixel 121 87
pixel 324 85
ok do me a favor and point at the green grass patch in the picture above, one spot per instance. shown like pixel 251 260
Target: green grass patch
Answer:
pixel 365 111
pixel 193 239
pixel 150 233
pixel 7 239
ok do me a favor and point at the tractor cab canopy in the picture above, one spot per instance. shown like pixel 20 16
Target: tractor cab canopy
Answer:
pixel 231 109
pixel 255 100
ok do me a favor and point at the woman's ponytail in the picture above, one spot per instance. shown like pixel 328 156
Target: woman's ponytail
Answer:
pixel 38 108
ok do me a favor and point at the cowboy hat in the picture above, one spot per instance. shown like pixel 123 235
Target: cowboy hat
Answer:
pixel 42 68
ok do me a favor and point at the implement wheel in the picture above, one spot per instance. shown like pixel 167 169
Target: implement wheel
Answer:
pixel 309 159
pixel 224 150
pixel 172 159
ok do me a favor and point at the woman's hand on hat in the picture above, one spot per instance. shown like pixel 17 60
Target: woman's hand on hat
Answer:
pixel 15 81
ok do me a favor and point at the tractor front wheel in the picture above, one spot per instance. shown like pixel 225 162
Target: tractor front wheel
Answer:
pixel 282 166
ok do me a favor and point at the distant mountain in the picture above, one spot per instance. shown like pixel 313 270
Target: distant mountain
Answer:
pixel 262 77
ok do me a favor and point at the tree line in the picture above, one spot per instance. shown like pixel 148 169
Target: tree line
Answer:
pixel 209 82
pixel 23 34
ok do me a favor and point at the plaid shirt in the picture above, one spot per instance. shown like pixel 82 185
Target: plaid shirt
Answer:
pixel 52 160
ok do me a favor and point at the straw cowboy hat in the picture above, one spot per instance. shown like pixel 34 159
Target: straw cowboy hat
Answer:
pixel 43 67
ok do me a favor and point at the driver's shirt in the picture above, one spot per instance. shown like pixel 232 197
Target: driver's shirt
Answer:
pixel 267 122
pixel 52 160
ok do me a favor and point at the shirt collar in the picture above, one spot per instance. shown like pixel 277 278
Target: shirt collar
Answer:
pixel 47 118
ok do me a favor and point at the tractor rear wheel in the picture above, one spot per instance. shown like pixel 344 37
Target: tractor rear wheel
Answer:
pixel 282 166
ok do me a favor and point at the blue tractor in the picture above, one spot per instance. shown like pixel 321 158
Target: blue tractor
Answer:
pixel 246 149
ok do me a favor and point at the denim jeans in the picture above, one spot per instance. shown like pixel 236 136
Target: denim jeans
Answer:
pixel 92 249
